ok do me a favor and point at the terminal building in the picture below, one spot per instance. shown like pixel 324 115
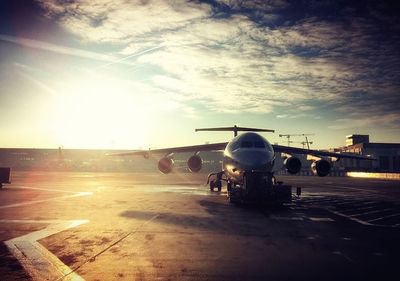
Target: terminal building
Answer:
pixel 387 155
pixel 93 160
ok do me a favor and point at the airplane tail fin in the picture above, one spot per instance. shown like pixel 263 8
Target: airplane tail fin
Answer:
pixel 235 129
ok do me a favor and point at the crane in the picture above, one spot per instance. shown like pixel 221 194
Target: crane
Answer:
pixel 304 143
pixel 288 136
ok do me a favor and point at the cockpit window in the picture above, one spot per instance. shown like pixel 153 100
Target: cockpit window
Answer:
pixel 269 147
pixel 259 144
pixel 246 144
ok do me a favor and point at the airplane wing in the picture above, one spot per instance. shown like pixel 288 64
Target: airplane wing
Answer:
pixel 192 148
pixel 221 146
pixel 318 153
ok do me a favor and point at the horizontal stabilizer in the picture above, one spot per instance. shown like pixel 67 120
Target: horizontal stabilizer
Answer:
pixel 235 129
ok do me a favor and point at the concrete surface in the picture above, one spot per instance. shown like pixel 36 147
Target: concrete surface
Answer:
pixel 67 226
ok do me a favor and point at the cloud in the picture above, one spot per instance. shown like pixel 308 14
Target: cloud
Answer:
pixel 363 122
pixel 238 63
pixel 46 46
pixel 119 21
pixel 259 5
pixel 55 48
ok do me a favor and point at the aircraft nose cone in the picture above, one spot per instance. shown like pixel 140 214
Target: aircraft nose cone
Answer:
pixel 255 160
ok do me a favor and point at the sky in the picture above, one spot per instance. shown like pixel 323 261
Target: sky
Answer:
pixel 144 74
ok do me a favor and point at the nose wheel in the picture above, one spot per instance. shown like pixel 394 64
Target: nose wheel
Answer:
pixel 215 184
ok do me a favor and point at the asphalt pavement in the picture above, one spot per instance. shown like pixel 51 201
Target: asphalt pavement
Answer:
pixel 121 226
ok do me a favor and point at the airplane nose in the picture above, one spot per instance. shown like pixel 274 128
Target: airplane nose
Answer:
pixel 255 159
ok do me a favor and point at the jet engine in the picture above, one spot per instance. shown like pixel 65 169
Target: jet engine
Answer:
pixel 165 165
pixel 292 165
pixel 195 163
pixel 321 167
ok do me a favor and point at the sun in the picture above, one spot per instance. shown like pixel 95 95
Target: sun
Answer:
pixel 100 112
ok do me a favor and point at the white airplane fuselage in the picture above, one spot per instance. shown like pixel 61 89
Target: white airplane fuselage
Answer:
pixel 248 153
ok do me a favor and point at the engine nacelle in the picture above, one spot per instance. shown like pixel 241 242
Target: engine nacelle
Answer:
pixel 195 163
pixel 292 165
pixel 165 165
pixel 321 167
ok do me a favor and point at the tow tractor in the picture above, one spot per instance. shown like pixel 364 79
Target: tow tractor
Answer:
pixel 257 188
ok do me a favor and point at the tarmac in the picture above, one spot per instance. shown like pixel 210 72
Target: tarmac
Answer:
pixel 121 226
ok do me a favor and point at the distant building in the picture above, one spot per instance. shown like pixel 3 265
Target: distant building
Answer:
pixel 355 139
pixel 387 155
pixel 94 160
pixel 70 160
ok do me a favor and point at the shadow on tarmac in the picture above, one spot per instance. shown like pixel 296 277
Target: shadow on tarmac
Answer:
pixel 243 223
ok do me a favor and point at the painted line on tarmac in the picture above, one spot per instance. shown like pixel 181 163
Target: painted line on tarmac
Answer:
pixel 286 218
pixel 349 217
pixel 37 261
pixel 371 191
pixel 320 219
pixel 78 194
pixel 371 222
pixel 33 221
pixel 93 258
pixel 302 218
pixel 45 189
pixel 372 212
pixel 385 217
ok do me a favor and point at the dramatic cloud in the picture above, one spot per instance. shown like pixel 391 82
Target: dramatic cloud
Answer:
pixel 119 21
pixel 266 54
pixel 56 48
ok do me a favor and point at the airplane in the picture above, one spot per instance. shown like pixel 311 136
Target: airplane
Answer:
pixel 247 166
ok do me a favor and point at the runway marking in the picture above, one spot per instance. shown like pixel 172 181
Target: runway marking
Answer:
pixel 344 201
pixel 348 217
pixel 385 217
pixel 339 253
pixel 37 261
pixel 286 218
pixel 93 258
pixel 358 208
pixel 45 189
pixel 377 192
pixel 369 222
pixel 320 219
pixel 74 194
pixel 372 212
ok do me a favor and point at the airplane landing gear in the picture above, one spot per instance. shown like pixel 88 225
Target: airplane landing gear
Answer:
pixel 217 183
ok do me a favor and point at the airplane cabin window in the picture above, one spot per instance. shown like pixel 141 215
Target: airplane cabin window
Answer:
pixel 235 145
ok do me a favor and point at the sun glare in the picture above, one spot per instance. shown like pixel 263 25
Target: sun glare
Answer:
pixel 100 113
